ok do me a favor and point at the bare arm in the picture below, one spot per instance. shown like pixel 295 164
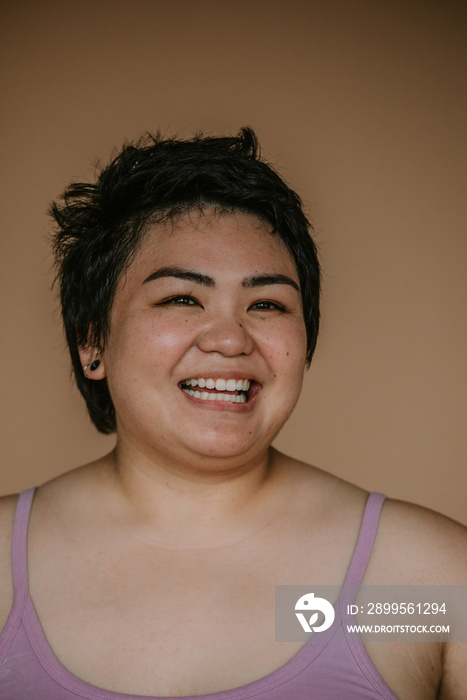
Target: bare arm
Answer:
pixel 454 681
pixel 419 547
pixel 7 515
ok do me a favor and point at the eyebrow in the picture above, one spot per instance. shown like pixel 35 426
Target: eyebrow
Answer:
pixel 181 274
pixel 207 281
pixel 265 280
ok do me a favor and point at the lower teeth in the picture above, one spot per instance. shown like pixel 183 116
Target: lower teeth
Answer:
pixel 211 396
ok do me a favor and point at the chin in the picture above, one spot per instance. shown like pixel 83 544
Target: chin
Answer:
pixel 223 445
pixel 223 452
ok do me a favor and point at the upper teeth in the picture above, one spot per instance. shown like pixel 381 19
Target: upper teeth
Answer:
pixel 220 384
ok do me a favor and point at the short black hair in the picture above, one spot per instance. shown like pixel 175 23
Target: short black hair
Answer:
pixel 99 227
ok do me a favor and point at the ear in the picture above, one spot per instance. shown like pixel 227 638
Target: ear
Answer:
pixel 88 356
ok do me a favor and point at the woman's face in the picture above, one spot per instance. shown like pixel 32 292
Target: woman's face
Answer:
pixel 207 344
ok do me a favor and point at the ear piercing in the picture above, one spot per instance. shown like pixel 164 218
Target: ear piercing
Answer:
pixel 92 366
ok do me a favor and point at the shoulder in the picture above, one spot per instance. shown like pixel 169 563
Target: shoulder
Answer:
pixel 311 481
pixel 416 545
pixel 7 516
pixel 413 546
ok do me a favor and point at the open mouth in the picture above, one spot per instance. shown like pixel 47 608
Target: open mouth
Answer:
pixel 230 390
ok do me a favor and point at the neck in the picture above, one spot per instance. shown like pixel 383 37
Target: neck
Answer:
pixel 167 499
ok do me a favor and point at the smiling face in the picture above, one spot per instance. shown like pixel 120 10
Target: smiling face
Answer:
pixel 207 344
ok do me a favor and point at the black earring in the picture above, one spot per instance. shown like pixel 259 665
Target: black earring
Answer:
pixel 95 365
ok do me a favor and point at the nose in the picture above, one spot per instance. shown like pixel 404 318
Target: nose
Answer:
pixel 227 336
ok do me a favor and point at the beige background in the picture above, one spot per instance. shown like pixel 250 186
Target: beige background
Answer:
pixel 362 106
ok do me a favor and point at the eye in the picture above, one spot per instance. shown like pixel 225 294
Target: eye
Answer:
pixel 179 300
pixel 265 305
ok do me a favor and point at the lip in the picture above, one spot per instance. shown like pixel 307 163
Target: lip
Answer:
pixel 225 406
pixel 221 374
pixel 253 393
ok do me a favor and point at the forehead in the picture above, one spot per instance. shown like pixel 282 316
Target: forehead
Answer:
pixel 214 239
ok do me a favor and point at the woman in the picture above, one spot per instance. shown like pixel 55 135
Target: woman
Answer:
pixel 190 289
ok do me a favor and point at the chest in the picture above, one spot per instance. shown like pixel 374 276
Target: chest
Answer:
pixel 166 625
pixel 181 623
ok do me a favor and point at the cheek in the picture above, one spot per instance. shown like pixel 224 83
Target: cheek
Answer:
pixel 144 340
pixel 285 352
pixel 287 343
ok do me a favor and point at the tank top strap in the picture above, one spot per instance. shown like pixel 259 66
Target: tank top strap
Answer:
pixel 365 540
pixel 20 543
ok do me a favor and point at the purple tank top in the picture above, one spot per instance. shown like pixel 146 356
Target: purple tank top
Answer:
pixel 29 670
